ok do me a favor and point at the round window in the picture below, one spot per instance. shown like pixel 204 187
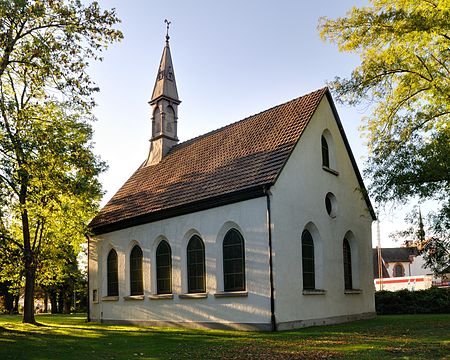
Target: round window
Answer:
pixel 331 204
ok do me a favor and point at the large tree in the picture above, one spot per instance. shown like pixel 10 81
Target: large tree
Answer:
pixel 404 78
pixel 48 172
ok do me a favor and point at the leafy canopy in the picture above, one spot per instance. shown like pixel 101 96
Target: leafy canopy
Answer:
pixel 52 42
pixel 404 76
pixel 404 46
pixel 48 173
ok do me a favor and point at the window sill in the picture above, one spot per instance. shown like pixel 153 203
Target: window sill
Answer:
pixel 331 171
pixel 160 296
pixel 222 294
pixel 352 291
pixel 193 296
pixel 110 298
pixel 314 292
pixel 134 297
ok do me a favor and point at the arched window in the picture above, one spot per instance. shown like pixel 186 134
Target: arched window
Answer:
pixel 308 261
pixel 157 121
pixel 170 121
pixel 196 265
pixel 136 281
pixel 331 204
pixel 325 153
pixel 163 268
pixel 112 274
pixel 347 264
pixel 399 271
pixel 233 261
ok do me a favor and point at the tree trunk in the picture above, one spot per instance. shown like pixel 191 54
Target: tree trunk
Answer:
pixel 9 302
pixel 60 302
pixel 67 304
pixel 53 302
pixel 45 303
pixel 28 304
pixel 29 257
pixel 16 305
pixel 8 298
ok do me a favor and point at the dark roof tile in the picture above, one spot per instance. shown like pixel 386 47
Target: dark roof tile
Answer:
pixel 240 156
pixel 400 254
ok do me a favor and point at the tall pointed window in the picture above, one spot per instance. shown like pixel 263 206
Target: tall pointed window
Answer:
pixel 163 268
pixel 325 153
pixel 308 261
pixel 196 270
pixel 233 261
pixel 347 265
pixel 157 122
pixel 169 122
pixel 112 274
pixel 136 280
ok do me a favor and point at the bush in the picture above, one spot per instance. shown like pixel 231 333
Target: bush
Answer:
pixel 430 301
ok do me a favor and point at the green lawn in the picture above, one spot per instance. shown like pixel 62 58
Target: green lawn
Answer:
pixel 71 337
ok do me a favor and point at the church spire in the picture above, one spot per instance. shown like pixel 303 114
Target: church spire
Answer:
pixel 164 103
pixel 165 84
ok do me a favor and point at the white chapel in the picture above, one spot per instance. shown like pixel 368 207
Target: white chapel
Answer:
pixel 264 224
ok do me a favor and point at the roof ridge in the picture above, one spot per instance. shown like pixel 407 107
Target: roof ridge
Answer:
pixel 196 138
pixel 196 171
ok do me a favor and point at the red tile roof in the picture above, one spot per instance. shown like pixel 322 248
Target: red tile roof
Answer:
pixel 223 166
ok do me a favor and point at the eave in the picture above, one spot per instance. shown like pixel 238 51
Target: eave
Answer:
pixel 205 204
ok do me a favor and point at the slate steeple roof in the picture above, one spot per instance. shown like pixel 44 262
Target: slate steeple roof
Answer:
pixel 165 84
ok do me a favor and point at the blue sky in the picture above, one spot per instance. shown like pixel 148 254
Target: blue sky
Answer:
pixel 232 59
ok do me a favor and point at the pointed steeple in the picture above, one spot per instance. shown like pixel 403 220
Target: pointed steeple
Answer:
pixel 421 232
pixel 164 103
pixel 165 85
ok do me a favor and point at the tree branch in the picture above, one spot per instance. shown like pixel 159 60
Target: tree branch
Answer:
pixel 10 184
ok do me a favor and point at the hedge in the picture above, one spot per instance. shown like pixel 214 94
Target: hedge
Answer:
pixel 430 301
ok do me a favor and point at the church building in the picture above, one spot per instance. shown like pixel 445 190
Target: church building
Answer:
pixel 264 224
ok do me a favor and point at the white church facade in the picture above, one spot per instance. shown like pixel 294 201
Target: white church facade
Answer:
pixel 264 224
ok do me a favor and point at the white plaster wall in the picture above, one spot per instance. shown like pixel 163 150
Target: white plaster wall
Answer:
pixel 407 266
pixel 94 310
pixel 249 217
pixel 298 201
pixel 418 267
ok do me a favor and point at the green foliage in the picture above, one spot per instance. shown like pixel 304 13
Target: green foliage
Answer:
pixel 404 78
pixel 48 172
pixel 52 41
pixel 436 253
pixel 430 301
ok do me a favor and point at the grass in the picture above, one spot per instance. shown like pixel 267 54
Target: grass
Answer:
pixel 71 337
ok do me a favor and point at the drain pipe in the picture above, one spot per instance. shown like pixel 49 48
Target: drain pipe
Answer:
pixel 273 323
pixel 88 289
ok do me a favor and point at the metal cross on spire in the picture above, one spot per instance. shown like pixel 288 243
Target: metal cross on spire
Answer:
pixel 167 31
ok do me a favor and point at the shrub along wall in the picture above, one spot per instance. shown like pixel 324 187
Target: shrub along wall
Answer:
pixel 430 301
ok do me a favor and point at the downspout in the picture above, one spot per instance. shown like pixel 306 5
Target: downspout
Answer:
pixel 88 290
pixel 273 323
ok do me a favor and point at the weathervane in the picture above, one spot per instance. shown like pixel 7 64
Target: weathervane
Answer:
pixel 167 32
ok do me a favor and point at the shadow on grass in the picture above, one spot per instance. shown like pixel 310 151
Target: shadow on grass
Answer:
pixel 65 337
